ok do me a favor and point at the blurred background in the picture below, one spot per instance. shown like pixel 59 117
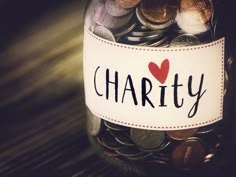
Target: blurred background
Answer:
pixel 41 54
pixel 42 111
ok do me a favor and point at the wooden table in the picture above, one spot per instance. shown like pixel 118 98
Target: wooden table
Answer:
pixel 42 111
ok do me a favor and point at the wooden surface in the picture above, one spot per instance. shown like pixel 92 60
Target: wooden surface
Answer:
pixel 42 111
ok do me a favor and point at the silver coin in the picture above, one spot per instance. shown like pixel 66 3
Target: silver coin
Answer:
pixel 115 127
pixel 143 28
pixel 146 33
pixel 124 30
pixel 150 25
pixel 146 43
pixel 144 38
pixel 158 149
pixel 165 44
pixel 101 17
pixel 158 43
pixel 109 142
pixel 184 40
pixel 104 33
pixel 155 43
pixel 147 139
pixel 93 123
pixel 140 157
pixel 130 152
pixel 114 9
pixel 122 138
pixel 89 20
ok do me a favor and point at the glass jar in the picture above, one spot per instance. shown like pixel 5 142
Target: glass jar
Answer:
pixel 158 86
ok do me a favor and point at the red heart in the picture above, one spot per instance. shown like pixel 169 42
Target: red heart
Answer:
pixel 159 73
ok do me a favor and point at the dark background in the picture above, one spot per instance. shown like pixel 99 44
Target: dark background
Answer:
pixel 42 111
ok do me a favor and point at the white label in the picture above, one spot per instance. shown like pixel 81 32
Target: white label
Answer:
pixel 154 88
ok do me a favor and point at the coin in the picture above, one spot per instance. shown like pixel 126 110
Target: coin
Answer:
pixel 130 152
pixel 158 149
pixel 147 139
pixel 194 15
pixel 144 38
pixel 124 30
pixel 108 141
pixel 146 33
pixel 162 42
pixel 151 25
pixel 127 3
pixel 164 46
pixel 158 43
pixel 181 134
pixel 184 40
pixel 140 157
pixel 122 138
pixel 88 20
pixel 104 33
pixel 103 18
pixel 115 127
pixel 160 11
pixel 144 28
pixel 202 10
pixel 114 9
pixel 146 43
pixel 188 154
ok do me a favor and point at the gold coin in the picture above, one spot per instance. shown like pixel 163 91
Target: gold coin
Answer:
pixel 201 8
pixel 127 4
pixel 159 11
pixel 181 134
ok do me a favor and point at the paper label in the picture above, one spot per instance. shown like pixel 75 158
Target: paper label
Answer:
pixel 154 88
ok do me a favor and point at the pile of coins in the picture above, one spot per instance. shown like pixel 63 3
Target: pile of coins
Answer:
pixel 153 23
pixel 183 149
